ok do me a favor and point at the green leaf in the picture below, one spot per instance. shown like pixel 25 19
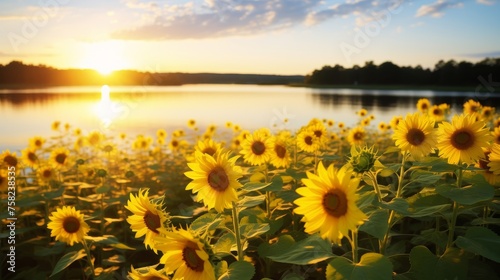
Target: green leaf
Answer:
pixel 109 240
pixel 398 204
pixel 427 204
pixel 220 269
pixel 103 189
pixel 206 221
pixel 253 229
pixel 425 265
pixel 54 194
pixel 481 241
pixel 437 165
pixel 377 224
pixel 284 242
pixel 239 270
pixel 225 244
pixel 372 266
pixel 68 259
pixel 251 201
pixel 253 186
pixel 466 195
pixel 311 250
pixel 276 184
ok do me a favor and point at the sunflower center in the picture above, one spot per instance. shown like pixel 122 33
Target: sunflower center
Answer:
pixel 47 174
pixel 462 139
pixel 152 221
pixel 258 148
pixel 218 180
pixel 318 133
pixel 32 157
pixel 60 158
pixel 71 224
pixel 415 136
pixel 175 143
pixel 335 203
pixel 10 160
pixel 358 136
pixel 437 112
pixel 280 151
pixel 38 143
pixel 209 151
pixel 308 139
pixel 483 163
pixel 193 261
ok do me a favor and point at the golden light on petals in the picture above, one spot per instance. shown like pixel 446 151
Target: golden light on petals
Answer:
pixel 415 134
pixel 67 225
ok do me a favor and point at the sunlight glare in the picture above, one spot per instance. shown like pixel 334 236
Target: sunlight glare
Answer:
pixel 106 110
pixel 105 57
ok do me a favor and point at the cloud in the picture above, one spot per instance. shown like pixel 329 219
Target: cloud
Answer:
pixel 486 2
pixel 221 18
pixel 484 54
pixel 437 9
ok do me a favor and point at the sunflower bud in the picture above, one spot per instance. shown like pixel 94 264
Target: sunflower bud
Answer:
pixel 363 160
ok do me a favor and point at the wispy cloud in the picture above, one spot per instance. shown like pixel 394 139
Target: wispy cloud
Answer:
pixel 220 18
pixel 11 17
pixel 437 9
pixel 486 2
pixel 483 54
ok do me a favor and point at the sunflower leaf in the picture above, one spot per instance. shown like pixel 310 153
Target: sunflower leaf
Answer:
pixel 253 186
pixel 467 195
pixel 425 265
pixel 372 266
pixel 239 270
pixel 311 250
pixel 251 201
pixel 481 241
pixel 67 260
pixel 110 240
pixel 253 229
pixel 377 223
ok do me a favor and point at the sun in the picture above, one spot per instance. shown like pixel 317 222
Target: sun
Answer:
pixel 104 57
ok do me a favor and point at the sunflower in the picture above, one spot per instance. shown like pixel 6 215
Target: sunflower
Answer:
pixel 29 157
pixel 491 177
pixel 494 158
pixel 215 180
pixel 208 146
pixel 184 254
pixel 176 144
pixel 356 136
pixel 59 157
pixel 415 134
pixel 362 112
pixel 67 225
pixel 77 132
pixel 161 133
pixel 4 180
pixel 496 135
pixel 395 121
pixel 496 123
pixel 330 123
pixel 281 155
pixel 55 125
pixel 437 113
pixel 383 127
pixel 365 122
pixel 328 203
pixel 307 141
pixel 462 140
pixel 95 138
pixel 36 142
pixel 9 159
pixel 423 105
pixel 257 148
pixel 191 123
pixel 319 132
pixel 148 218
pixel 487 113
pixel 46 174
pixel 341 125
pixel 147 273
pixel 472 107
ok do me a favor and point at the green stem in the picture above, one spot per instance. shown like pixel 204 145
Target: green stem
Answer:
pixel 354 244
pixel 451 232
pixel 89 257
pixel 373 177
pixel 236 225
pixel 385 241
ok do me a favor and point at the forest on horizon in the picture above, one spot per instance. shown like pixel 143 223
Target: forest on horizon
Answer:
pixel 485 73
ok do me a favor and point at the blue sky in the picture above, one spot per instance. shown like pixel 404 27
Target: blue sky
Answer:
pixel 245 36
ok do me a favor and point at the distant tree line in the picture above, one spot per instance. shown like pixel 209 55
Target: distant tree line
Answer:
pixel 445 73
pixel 19 74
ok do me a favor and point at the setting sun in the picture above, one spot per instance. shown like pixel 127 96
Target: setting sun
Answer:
pixel 105 57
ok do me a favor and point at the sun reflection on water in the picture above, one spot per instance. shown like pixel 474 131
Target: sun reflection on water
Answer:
pixel 106 109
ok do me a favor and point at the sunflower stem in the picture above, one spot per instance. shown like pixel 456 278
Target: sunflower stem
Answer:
pixel 385 241
pixel 236 225
pixel 89 257
pixel 451 232
pixel 373 177
pixel 354 245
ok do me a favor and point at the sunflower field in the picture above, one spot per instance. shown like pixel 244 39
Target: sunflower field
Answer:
pixel 416 198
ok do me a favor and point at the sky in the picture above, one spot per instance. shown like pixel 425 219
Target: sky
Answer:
pixel 287 37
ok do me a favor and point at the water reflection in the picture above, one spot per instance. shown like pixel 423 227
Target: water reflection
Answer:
pixel 106 110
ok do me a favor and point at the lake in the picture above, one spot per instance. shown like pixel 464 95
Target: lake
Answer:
pixel 144 109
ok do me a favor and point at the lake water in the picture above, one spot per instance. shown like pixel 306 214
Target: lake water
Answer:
pixel 144 109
